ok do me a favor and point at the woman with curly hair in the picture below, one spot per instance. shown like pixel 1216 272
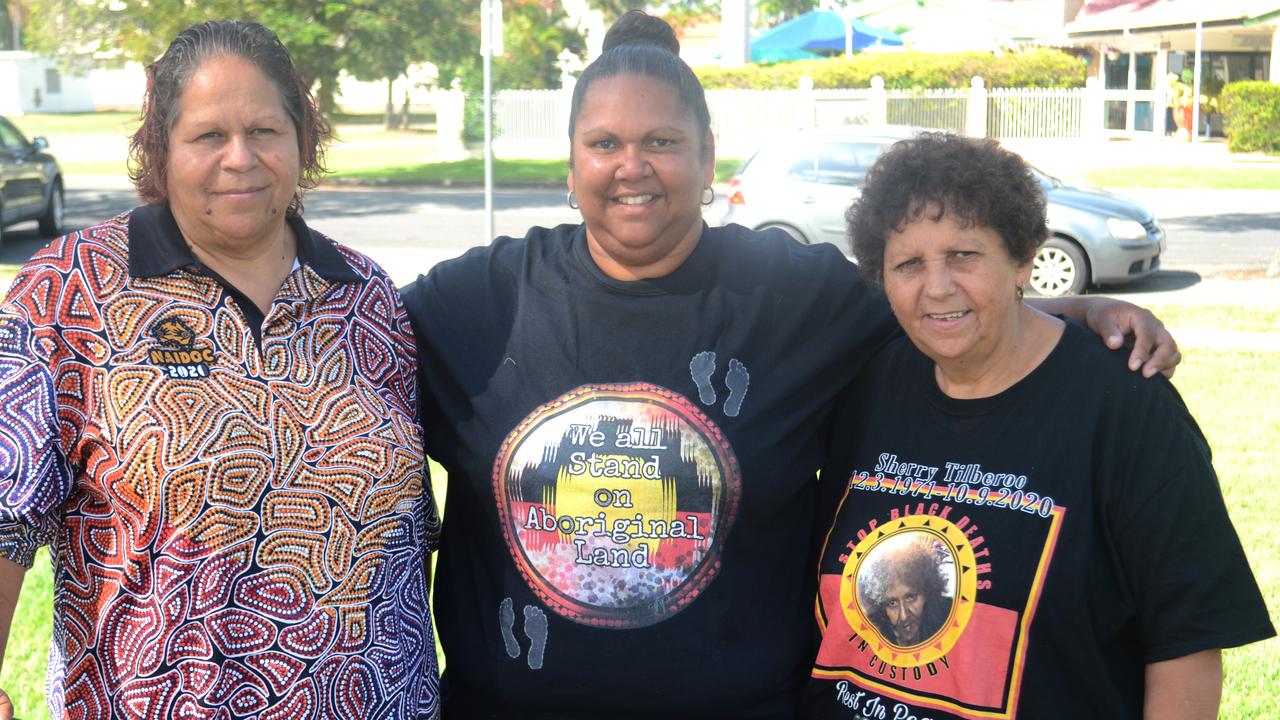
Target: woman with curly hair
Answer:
pixel 1092 570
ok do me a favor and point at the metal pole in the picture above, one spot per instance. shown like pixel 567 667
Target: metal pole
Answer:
pixel 487 19
pixel 1195 86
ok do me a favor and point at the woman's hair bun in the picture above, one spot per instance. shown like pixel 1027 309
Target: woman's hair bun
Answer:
pixel 637 27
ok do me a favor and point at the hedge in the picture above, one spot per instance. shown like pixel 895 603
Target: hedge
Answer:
pixel 1251 115
pixel 1035 68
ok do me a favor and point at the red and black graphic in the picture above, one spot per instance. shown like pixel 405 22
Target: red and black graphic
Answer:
pixel 927 593
pixel 615 502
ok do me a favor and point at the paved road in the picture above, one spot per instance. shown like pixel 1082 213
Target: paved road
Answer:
pixel 1215 229
pixel 409 229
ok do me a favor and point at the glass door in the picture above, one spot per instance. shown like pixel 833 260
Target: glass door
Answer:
pixel 1128 90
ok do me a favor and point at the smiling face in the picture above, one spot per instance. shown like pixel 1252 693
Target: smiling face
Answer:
pixel 233 162
pixel 640 165
pixel 954 290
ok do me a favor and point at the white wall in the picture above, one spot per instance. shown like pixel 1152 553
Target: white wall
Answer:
pixel 357 96
pixel 24 86
pixel 118 88
pixel 9 103
pixel 121 88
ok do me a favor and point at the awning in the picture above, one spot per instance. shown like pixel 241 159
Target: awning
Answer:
pixel 1112 16
pixel 820 31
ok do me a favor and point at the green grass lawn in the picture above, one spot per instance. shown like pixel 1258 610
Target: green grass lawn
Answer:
pixel 1238 177
pixel 1233 318
pixel 367 164
pixel 1231 392
pixel 86 123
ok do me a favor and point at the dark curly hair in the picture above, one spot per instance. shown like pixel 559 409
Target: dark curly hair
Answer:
pixel 913 561
pixel 935 174
pixel 167 78
pixel 642 44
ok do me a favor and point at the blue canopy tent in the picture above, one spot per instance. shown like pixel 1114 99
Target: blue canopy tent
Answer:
pixel 818 32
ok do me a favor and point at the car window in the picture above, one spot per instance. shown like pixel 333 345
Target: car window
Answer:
pixel 845 163
pixel 10 138
pixel 803 167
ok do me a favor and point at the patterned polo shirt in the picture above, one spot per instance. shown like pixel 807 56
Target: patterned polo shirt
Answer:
pixel 237 504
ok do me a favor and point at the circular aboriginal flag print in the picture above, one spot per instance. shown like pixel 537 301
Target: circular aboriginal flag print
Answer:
pixel 616 501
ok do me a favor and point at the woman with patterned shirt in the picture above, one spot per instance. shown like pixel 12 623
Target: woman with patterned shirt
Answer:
pixel 210 415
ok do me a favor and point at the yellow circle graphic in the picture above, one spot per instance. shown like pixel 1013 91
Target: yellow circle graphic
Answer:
pixel 908 589
pixel 615 501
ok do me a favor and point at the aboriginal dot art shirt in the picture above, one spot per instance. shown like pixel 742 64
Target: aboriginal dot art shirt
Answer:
pixel 236 505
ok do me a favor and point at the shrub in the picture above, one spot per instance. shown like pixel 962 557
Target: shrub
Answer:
pixel 1251 114
pixel 1036 68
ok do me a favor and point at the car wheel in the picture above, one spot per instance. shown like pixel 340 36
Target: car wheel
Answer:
pixel 794 233
pixel 51 220
pixel 1059 268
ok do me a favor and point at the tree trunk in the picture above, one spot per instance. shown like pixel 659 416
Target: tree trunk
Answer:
pixel 325 98
pixel 389 120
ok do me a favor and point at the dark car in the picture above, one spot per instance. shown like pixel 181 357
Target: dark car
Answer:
pixel 30 182
pixel 803 182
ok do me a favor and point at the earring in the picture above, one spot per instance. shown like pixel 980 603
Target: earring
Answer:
pixel 573 200
pixel 1019 287
pixel 708 195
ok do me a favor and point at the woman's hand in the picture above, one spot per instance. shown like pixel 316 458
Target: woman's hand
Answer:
pixel 6 706
pixel 1154 349
pixel 11 575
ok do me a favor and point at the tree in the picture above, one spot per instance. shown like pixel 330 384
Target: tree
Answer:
pixel 772 12
pixel 324 36
pixel 407 32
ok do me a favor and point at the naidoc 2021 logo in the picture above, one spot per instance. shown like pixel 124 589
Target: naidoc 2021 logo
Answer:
pixel 177 349
pixel 615 502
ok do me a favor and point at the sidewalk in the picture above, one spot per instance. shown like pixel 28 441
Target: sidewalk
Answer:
pixel 1074 158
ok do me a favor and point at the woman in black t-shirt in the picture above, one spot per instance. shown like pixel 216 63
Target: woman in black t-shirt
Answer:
pixel 1023 529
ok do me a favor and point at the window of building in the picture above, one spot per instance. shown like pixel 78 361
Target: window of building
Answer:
pixel 52 81
pixel 1221 68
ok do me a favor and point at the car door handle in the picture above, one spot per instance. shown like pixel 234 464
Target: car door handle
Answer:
pixel 808 200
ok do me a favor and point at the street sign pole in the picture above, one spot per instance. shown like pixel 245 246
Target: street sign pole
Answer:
pixel 490 45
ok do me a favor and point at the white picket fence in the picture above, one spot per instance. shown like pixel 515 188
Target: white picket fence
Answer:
pixel 533 123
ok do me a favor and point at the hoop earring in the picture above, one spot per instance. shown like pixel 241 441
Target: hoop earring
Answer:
pixel 707 200
pixel 572 199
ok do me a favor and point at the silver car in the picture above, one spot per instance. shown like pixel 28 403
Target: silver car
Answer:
pixel 803 182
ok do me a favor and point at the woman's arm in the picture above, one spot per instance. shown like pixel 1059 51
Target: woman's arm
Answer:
pixel 1154 349
pixel 11 574
pixel 1185 688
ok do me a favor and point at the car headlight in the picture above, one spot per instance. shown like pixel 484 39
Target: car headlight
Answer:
pixel 1123 230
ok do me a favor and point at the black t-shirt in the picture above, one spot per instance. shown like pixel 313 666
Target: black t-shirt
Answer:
pixel 1021 555
pixel 632 497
